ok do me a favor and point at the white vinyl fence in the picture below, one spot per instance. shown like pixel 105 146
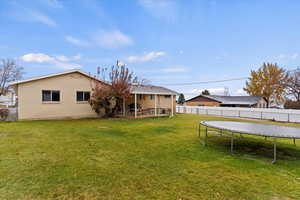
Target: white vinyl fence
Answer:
pixel 283 115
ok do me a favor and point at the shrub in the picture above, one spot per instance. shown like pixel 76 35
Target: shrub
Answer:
pixel 106 99
pixel 4 114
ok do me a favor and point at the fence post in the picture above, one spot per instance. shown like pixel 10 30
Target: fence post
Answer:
pixel 261 115
pixel 288 117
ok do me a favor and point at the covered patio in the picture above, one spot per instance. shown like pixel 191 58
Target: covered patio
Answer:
pixel 150 101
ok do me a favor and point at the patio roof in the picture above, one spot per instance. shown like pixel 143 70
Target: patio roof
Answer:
pixel 151 89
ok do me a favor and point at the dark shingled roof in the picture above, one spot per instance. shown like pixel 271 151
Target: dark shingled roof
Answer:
pixel 151 89
pixel 233 100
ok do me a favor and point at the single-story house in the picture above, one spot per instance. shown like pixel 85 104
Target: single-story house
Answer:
pixel 227 101
pixel 66 94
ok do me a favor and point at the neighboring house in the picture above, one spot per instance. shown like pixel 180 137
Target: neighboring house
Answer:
pixel 227 101
pixel 9 99
pixel 65 95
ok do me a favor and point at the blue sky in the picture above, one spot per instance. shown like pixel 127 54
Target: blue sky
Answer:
pixel 164 41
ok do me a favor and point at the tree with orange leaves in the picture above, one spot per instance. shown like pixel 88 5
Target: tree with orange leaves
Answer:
pixel 269 81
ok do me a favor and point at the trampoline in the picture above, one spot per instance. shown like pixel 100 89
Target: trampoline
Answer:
pixel 265 130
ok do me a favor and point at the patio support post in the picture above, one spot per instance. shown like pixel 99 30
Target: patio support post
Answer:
pixel 172 109
pixel 124 108
pixel 274 160
pixel 155 104
pixel 135 106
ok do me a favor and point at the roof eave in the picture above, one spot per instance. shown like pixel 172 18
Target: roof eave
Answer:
pixel 159 93
pixel 53 75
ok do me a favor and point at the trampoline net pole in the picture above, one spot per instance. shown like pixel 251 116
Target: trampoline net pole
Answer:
pixel 294 141
pixel 199 130
pixel 205 139
pixel 274 159
pixel 231 147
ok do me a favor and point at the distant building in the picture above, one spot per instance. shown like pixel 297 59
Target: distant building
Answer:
pixel 9 99
pixel 227 101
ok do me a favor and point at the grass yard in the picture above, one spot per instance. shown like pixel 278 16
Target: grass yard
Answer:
pixel 140 159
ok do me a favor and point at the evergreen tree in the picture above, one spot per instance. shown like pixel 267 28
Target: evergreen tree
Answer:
pixel 205 92
pixel 181 99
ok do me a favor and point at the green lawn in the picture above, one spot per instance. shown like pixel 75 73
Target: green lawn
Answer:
pixel 140 159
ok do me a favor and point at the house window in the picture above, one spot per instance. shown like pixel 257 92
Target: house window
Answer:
pixel 82 96
pixel 140 97
pixel 167 96
pixel 51 95
pixel 151 96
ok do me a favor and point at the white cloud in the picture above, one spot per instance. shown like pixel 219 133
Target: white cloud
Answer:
pixel 165 9
pixel 103 38
pixel 62 58
pixel 281 56
pixel 175 69
pixel 54 3
pixel 76 41
pixel 23 13
pixel 67 66
pixel 241 91
pixel 77 57
pixel 37 57
pixel 295 56
pixel 146 57
pixel 286 57
pixel 58 61
pixel 39 17
pixel 111 39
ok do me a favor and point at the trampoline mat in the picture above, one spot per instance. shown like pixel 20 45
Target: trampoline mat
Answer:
pixel 267 130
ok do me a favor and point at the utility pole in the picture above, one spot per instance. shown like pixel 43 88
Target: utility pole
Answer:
pixel 226 91
pixel 98 72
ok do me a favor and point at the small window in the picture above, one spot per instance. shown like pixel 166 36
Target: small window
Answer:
pixel 151 96
pixel 51 95
pixel 82 96
pixel 140 97
pixel 167 96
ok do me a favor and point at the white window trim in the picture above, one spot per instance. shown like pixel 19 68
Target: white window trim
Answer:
pixel 51 101
pixel 83 96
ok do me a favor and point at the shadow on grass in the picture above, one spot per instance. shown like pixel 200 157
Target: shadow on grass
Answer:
pixel 253 148
pixel 163 129
pixel 112 132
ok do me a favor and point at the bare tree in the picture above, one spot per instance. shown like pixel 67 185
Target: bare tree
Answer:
pixel 293 84
pixel 9 71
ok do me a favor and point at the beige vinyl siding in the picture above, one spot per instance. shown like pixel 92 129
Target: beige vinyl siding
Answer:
pixel 31 106
pixel 147 102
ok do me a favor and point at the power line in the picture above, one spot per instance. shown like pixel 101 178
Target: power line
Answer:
pixel 215 81
pixel 206 82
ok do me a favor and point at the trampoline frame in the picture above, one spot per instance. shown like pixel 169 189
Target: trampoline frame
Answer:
pixel 221 131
